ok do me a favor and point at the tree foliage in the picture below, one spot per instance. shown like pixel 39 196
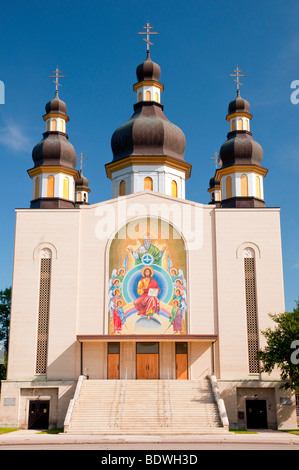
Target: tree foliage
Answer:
pixel 5 304
pixel 282 348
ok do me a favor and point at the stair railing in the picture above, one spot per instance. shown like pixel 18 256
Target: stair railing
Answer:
pixel 169 398
pixel 123 397
pixel 73 402
pixel 220 402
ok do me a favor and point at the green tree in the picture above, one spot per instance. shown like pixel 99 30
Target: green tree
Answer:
pixel 5 304
pixel 282 348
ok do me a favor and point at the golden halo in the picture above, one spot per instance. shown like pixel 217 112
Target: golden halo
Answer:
pixel 147 267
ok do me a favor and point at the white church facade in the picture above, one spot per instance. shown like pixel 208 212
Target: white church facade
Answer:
pixel 146 287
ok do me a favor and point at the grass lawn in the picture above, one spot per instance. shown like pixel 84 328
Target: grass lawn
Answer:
pixel 51 431
pixel 6 430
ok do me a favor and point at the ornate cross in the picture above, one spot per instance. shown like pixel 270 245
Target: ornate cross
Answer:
pixel 57 75
pixel 81 158
pixel 148 33
pixel 238 74
pixel 216 159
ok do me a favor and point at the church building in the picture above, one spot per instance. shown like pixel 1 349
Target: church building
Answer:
pixel 145 311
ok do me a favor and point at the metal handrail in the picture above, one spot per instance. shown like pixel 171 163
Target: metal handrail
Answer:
pixel 169 397
pixel 123 396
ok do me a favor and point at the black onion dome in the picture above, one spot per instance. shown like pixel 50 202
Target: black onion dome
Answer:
pixel 56 106
pixel 82 182
pixel 241 148
pixel 148 70
pixel 54 149
pixel 214 182
pixel 238 105
pixel 148 132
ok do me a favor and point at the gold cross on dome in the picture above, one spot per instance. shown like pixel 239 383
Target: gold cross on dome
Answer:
pixel 148 27
pixel 57 75
pixel 81 158
pixel 215 158
pixel 238 74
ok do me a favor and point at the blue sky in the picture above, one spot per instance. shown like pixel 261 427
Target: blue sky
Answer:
pixel 96 45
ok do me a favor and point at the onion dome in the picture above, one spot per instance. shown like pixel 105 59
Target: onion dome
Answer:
pixel 238 105
pixel 54 148
pixel 148 70
pixel 240 147
pixel 214 183
pixel 56 105
pixel 148 131
pixel 82 182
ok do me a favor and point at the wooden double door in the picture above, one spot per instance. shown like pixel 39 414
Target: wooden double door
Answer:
pixel 147 361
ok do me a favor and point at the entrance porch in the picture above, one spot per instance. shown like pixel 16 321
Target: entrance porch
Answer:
pixel 147 357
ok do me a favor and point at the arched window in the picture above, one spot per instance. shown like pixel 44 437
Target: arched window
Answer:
pixel 36 188
pixel 157 97
pixel 139 96
pixel 54 125
pixel 251 310
pixel 50 186
pixel 85 197
pixel 66 188
pixel 122 188
pixel 79 197
pixel 174 189
pixel 48 126
pixel 233 125
pixel 246 124
pixel 240 124
pixel 258 187
pixel 43 311
pixel 61 126
pixel 148 183
pixel 148 96
pixel 244 185
pixel 228 187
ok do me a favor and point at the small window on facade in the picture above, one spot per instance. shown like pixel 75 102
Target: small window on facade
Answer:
pixel 66 188
pixel 36 188
pixel 258 187
pixel 139 96
pixel 233 125
pixel 148 183
pixel 61 126
pixel 148 96
pixel 122 188
pixel 228 187
pixel 50 186
pixel 240 124
pixel 174 189
pixel 157 97
pixel 54 125
pixel 244 185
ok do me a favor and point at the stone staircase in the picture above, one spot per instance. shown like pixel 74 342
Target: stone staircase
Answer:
pixel 138 407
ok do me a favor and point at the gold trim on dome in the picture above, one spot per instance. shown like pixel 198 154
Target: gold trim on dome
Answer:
pixel 148 160
pixel 53 169
pixel 148 83
pixel 240 169
pixel 55 115
pixel 233 115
